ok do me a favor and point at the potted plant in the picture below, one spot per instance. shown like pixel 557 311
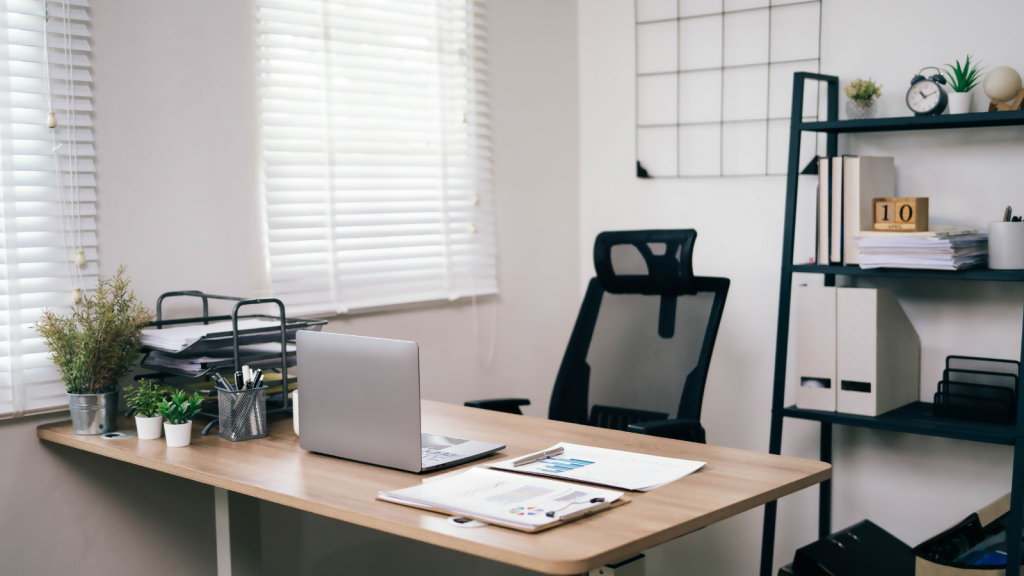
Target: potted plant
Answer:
pixel 862 94
pixel 178 412
pixel 144 398
pixel 93 347
pixel 962 80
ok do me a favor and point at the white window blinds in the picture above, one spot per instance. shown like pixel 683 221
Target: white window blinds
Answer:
pixel 45 219
pixel 375 152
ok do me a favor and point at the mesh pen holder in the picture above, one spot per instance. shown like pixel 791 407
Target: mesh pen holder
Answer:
pixel 243 413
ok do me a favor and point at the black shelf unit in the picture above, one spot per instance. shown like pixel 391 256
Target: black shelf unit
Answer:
pixel 916 418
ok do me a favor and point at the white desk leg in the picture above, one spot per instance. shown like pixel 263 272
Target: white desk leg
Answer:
pixel 635 566
pixel 239 552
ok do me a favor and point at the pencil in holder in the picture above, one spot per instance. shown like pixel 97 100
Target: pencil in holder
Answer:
pixel 243 413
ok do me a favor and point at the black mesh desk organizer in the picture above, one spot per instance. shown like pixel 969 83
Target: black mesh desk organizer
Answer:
pixel 979 389
pixel 639 353
pixel 226 345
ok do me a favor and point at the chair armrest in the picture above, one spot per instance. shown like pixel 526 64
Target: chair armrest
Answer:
pixel 676 428
pixel 506 405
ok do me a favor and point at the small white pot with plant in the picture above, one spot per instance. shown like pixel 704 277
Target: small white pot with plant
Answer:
pixel 178 412
pixel 962 80
pixel 862 94
pixel 144 398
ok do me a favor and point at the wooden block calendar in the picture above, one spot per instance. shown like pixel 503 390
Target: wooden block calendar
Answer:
pixel 899 214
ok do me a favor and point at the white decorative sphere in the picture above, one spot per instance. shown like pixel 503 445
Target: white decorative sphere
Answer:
pixel 1002 83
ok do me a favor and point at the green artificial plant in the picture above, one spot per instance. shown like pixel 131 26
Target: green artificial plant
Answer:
pixel 966 78
pixel 144 398
pixel 180 410
pixel 862 90
pixel 97 343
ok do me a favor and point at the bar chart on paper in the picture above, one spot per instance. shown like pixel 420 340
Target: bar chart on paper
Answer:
pixel 562 465
pixel 614 468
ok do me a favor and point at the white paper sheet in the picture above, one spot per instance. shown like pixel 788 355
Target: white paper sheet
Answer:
pixel 181 337
pixel 628 470
pixel 500 497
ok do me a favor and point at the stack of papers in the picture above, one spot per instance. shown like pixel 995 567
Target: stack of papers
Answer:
pixel 180 337
pixel 925 253
pixel 627 470
pixel 202 360
pixel 513 500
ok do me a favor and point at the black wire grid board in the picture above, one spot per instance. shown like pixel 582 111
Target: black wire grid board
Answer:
pixel 714 84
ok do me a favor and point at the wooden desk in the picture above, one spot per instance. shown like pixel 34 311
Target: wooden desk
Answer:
pixel 277 470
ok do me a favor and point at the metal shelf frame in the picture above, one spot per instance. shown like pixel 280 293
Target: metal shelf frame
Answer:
pixel 914 418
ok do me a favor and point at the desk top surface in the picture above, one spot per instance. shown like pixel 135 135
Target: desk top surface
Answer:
pixel 277 470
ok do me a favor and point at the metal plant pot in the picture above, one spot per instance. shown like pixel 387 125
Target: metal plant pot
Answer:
pixel 93 414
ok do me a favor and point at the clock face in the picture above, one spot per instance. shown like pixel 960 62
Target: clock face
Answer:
pixel 924 96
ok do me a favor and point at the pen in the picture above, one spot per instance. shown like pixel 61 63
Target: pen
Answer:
pixel 584 512
pixel 538 456
pixel 238 381
pixel 1007 213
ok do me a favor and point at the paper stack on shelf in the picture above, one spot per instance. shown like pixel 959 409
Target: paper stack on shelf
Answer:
pixel 925 253
pixel 224 356
pixel 180 337
pixel 512 500
pixel 628 470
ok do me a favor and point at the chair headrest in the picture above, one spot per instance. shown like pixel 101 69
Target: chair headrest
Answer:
pixel 670 273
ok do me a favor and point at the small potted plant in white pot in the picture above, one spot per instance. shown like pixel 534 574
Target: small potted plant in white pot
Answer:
pixel 962 80
pixel 862 94
pixel 93 347
pixel 144 398
pixel 178 412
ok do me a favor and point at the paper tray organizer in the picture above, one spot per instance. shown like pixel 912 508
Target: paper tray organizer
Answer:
pixel 276 364
pixel 980 389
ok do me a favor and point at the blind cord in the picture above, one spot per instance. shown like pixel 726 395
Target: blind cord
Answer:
pixel 76 205
pixel 51 123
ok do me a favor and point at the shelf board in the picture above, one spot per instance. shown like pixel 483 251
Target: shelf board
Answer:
pixel 915 418
pixel 986 274
pixel 901 123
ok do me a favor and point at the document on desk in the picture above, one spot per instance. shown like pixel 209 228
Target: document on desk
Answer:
pixel 615 468
pixel 179 338
pixel 223 356
pixel 513 500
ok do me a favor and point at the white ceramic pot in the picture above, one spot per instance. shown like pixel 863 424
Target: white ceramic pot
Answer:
pixel 178 435
pixel 295 411
pixel 149 428
pixel 960 102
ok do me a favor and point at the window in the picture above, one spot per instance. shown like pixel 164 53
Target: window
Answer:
pixel 47 214
pixel 375 152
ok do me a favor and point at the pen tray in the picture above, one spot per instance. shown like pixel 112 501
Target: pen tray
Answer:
pixel 243 413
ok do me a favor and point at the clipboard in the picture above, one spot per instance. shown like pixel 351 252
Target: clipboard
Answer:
pixel 532 530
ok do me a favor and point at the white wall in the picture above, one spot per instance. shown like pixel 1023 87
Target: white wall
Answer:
pixel 177 169
pixel 913 486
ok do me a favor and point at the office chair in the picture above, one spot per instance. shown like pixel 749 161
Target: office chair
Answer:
pixel 643 338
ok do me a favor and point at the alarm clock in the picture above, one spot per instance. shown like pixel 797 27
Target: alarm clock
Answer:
pixel 926 96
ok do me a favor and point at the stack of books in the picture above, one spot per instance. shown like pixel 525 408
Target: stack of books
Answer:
pixel 935 252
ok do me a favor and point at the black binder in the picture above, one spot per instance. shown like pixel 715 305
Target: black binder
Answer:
pixel 861 549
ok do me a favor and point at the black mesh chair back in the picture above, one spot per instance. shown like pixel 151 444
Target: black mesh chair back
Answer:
pixel 642 343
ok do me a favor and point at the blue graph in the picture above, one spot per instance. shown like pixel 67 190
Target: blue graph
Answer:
pixel 562 465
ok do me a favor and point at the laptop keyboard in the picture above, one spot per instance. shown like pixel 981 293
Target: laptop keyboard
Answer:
pixel 433 457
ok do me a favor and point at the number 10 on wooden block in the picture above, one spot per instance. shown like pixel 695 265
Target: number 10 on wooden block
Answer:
pixel 900 214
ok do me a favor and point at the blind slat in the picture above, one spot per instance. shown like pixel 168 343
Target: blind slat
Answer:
pixel 375 152
pixel 44 220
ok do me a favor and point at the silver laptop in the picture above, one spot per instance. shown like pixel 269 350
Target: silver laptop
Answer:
pixel 361 401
